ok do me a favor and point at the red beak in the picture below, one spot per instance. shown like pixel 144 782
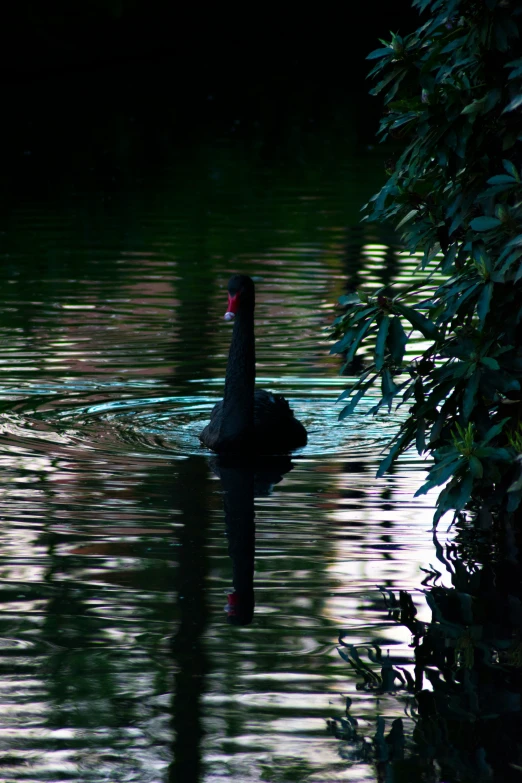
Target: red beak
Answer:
pixel 233 303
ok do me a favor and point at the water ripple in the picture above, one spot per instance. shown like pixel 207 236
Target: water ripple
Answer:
pixel 157 425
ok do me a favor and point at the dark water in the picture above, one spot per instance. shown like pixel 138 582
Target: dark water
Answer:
pixel 118 660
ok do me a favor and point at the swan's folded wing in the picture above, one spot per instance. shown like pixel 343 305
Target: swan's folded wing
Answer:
pixel 276 428
pixel 209 435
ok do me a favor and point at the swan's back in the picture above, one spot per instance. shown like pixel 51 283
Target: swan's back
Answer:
pixel 276 430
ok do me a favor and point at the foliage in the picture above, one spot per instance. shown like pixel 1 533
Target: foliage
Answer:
pixel 453 92
pixel 462 691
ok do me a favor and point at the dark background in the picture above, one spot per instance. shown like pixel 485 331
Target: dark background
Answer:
pixel 98 85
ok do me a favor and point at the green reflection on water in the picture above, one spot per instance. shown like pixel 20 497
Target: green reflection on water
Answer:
pixel 115 567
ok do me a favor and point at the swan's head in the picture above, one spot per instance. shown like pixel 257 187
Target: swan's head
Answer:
pixel 241 295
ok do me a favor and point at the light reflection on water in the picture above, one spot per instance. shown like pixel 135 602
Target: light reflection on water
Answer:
pixel 118 661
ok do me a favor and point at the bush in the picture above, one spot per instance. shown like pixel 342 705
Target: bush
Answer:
pixel 453 92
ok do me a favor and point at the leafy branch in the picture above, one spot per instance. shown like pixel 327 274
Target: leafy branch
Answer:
pixel 452 94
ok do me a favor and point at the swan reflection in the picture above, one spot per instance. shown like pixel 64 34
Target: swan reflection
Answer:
pixel 243 479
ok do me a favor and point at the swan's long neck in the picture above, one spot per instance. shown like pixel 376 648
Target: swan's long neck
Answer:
pixel 238 400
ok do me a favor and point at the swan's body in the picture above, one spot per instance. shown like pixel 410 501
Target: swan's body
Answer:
pixel 275 429
pixel 249 420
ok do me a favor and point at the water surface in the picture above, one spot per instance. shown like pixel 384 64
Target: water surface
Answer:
pixel 119 660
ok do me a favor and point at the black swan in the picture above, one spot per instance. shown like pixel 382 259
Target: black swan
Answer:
pixel 248 420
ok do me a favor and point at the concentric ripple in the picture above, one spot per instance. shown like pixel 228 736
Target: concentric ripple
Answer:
pixel 117 420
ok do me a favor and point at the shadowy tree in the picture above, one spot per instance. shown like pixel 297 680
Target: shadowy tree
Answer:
pixel 453 96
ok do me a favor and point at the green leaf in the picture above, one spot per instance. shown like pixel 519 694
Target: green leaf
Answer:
pixel 481 257
pixel 346 393
pixel 464 492
pixel 349 299
pixel 492 98
pixel 508 261
pixel 418 321
pixel 420 440
pixel 475 466
pixel 445 502
pixel 515 103
pixel 389 388
pixel 457 43
pixel 352 404
pixel 360 313
pixel 512 243
pixel 502 381
pixel 502 179
pixel 412 115
pixel 514 500
pixel 470 392
pixel 358 339
pixel 484 302
pixel 484 223
pixel 380 345
pixel 397 339
pixel 490 363
pixel 458 302
pixel 511 169
pixel 411 214
pixel 494 190
pixel 418 390
pixel 495 430
pixel 437 479
pixel 475 107
pixel 449 257
pixel 387 79
pixel 341 345
pixel 501 455
pixel 393 91
pixel 387 399
pixel 380 53
pixel 387 461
